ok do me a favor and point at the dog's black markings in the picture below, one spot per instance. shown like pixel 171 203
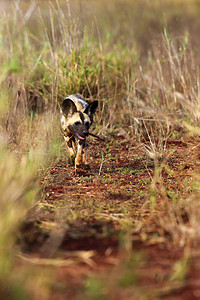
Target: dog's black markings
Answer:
pixel 76 119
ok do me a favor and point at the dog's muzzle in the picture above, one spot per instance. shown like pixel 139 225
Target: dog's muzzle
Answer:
pixel 82 136
pixel 80 131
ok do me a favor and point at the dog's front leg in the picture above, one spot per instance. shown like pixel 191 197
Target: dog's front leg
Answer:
pixel 81 155
pixel 70 141
pixel 84 159
pixel 78 159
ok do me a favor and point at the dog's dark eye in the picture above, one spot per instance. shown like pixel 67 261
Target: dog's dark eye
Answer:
pixel 77 123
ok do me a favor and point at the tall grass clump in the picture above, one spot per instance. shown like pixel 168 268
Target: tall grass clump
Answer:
pixel 64 51
pixel 18 191
pixel 61 57
pixel 29 141
pixel 27 145
pixel 165 96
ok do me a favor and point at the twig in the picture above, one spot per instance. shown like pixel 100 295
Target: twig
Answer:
pixel 97 137
pixel 76 258
pixel 102 161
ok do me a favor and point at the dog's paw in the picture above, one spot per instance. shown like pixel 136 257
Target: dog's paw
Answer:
pixel 86 167
pixel 82 167
pixel 78 166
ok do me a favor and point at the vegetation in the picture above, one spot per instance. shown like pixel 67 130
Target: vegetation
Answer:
pixel 140 60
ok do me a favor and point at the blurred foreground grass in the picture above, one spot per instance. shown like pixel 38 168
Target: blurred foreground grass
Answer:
pixel 139 58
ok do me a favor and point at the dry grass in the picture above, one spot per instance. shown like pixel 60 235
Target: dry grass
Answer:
pixel 139 60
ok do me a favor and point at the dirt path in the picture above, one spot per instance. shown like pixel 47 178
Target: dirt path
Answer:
pixel 101 222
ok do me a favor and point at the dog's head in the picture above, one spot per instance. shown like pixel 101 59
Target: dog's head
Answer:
pixel 77 121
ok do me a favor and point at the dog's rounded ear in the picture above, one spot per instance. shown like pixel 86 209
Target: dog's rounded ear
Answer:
pixel 91 108
pixel 68 107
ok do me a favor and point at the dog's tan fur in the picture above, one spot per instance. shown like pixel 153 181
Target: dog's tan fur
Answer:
pixel 76 118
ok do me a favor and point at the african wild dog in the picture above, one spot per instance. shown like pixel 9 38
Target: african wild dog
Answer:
pixel 76 119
